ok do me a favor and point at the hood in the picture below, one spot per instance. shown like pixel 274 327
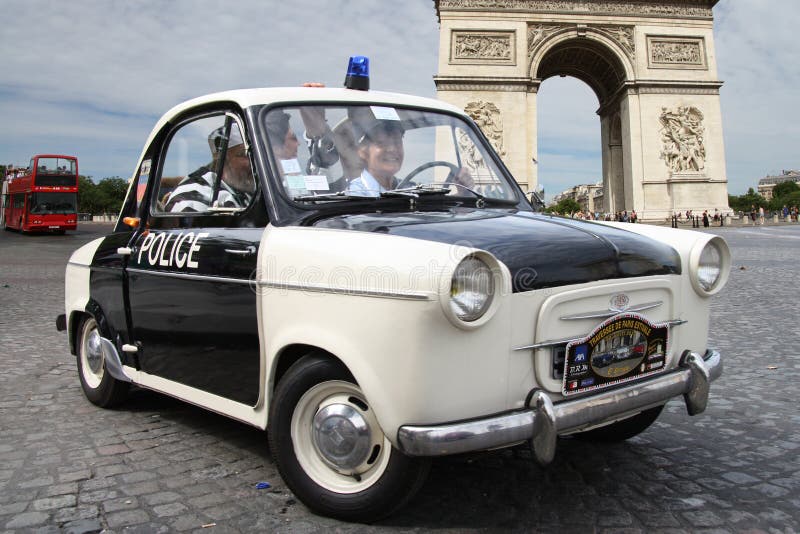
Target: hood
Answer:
pixel 539 250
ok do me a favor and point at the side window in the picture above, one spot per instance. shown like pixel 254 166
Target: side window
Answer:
pixel 206 169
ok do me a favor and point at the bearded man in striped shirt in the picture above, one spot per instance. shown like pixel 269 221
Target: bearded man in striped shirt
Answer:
pixel 195 193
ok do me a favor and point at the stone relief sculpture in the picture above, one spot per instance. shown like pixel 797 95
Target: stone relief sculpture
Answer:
pixel 624 36
pixel 676 52
pixel 481 46
pixel 539 32
pixel 471 157
pixel 487 116
pixel 682 137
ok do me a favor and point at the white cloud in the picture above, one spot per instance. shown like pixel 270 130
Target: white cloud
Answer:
pixel 92 76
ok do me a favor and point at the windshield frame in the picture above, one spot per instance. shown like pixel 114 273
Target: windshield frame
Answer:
pixel 290 211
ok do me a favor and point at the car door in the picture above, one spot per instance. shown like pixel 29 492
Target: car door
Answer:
pixel 192 310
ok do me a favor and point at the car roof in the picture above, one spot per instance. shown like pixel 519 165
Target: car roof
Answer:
pixel 294 95
pixel 298 95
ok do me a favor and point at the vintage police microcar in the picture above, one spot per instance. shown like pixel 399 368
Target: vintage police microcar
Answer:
pixel 264 268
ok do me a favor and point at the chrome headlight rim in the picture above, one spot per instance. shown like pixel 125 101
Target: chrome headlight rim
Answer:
pixel 497 284
pixel 724 265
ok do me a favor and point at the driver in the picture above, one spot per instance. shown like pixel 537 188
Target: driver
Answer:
pixel 380 148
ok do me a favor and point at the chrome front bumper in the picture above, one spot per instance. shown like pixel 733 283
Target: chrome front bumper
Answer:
pixel 544 420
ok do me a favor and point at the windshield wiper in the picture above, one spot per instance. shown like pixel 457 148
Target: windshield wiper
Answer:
pixel 341 195
pixel 427 189
pixel 444 189
pixel 416 191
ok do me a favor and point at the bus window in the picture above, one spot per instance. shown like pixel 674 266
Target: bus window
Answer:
pixel 50 203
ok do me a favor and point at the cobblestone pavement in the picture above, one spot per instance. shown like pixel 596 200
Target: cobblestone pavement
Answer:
pixel 159 465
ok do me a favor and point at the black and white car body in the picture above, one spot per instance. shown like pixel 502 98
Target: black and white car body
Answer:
pixel 368 334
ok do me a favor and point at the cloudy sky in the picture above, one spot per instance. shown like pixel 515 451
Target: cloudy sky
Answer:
pixel 91 77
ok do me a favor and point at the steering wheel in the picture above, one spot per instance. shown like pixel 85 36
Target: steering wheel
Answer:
pixel 450 177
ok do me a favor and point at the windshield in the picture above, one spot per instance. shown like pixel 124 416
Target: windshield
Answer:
pixel 347 153
pixel 55 166
pixel 50 203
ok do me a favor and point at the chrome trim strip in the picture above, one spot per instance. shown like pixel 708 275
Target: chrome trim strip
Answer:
pixel 610 313
pixel 564 341
pixel 567 415
pixel 344 291
pixel 186 276
pixel 291 286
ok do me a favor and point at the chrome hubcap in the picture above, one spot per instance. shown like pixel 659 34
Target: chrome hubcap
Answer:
pixel 337 439
pixel 342 436
pixel 94 352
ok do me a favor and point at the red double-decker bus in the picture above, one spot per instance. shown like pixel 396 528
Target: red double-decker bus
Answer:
pixel 43 197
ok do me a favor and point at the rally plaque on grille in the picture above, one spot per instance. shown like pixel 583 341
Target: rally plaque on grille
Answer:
pixel 624 347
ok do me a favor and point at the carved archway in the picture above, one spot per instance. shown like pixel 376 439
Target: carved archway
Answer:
pixel 650 63
pixel 599 56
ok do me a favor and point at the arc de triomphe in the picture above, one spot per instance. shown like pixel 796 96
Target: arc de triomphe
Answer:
pixel 651 64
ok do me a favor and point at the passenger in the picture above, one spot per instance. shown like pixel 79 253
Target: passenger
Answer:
pixel 195 192
pixel 319 140
pixel 284 142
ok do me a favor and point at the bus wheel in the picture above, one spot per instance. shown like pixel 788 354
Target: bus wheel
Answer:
pixel 98 385
pixel 329 448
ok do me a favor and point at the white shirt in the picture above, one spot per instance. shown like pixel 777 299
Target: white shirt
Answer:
pixel 365 185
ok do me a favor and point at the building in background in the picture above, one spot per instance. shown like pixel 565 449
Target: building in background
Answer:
pixel 589 196
pixel 768 183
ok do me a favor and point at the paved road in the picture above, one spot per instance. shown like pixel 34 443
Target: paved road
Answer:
pixel 160 465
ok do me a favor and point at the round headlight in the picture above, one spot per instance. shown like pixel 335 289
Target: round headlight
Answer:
pixel 471 289
pixel 709 268
pixel 709 264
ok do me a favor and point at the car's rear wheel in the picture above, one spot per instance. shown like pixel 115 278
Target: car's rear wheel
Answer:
pixel 622 430
pixel 97 383
pixel 329 448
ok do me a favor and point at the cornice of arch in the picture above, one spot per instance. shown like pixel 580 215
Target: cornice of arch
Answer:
pixel 687 9
pixel 486 83
pixel 659 87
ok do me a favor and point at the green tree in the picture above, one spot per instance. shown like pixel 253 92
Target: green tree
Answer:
pixel 781 193
pixel 105 196
pixel 87 195
pixel 792 199
pixel 111 194
pixel 784 188
pixel 565 206
pixel 745 202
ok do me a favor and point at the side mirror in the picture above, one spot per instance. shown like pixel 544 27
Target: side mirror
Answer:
pixel 536 201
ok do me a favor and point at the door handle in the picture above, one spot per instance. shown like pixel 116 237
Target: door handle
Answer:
pixel 250 250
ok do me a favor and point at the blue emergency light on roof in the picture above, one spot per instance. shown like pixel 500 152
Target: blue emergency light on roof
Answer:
pixel 357 73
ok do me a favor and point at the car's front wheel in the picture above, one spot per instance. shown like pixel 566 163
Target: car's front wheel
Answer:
pixel 329 448
pixel 98 385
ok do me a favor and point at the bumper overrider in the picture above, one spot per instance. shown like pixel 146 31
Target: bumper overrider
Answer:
pixel 544 420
